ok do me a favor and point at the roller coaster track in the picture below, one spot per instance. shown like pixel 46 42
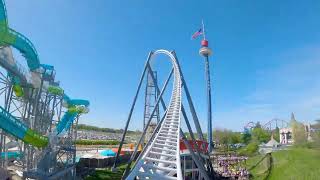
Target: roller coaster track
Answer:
pixel 161 160
pixel 270 125
pixel 275 123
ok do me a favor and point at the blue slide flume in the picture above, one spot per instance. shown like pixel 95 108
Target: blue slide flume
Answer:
pixel 18 129
pixel 9 123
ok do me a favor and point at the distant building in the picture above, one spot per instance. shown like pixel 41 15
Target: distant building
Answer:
pixel 286 136
pixel 271 146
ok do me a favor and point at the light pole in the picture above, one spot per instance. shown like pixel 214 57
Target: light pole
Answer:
pixel 205 51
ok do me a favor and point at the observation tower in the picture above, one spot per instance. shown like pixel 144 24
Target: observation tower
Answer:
pixel 205 51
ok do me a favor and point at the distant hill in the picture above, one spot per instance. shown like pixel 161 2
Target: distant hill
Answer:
pixel 107 130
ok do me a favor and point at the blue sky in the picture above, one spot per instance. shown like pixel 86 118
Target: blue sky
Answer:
pixel 265 63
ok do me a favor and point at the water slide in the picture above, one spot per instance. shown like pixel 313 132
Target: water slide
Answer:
pixel 18 129
pixel 13 126
pixel 75 107
pixel 9 37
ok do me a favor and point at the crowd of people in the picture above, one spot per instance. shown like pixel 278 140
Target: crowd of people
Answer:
pixel 232 166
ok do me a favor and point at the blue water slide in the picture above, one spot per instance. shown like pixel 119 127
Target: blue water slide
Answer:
pixel 12 125
pixel 78 102
pixel 26 48
pixel 17 40
pixel 67 118
pixel 3 14
pixel 10 154
pixel 47 67
pixel 75 102
pixel 15 127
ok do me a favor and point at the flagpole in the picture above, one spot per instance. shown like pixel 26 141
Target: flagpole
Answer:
pixel 204 33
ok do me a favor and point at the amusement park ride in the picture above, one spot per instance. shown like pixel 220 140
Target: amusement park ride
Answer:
pixel 270 125
pixel 37 119
pixel 167 153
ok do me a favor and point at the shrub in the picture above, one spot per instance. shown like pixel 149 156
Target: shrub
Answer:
pixel 97 142
pixel 250 149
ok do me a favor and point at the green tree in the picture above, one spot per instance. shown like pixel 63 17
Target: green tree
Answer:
pixel 250 149
pixel 226 138
pixel 260 135
pixel 298 132
pixel 246 136
pixel 276 134
pixel 235 137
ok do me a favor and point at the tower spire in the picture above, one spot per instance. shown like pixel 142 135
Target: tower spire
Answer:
pixel 293 117
pixel 203 31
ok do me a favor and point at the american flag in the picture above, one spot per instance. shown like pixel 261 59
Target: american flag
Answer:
pixel 196 34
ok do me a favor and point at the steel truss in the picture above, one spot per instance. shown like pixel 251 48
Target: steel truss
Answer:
pixel 160 158
pixel 40 111
pixel 151 95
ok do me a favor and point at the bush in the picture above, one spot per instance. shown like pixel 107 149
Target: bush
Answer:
pixel 298 133
pixel 97 142
pixel 250 149
pixel 260 135
pixel 308 145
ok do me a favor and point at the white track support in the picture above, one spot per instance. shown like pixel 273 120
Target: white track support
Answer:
pixel 161 160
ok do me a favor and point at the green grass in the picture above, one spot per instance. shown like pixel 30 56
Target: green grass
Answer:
pixel 107 174
pixel 258 166
pixel 299 163
pixel 292 164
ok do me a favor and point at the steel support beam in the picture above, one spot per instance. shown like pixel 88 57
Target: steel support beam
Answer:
pixel 150 118
pixel 131 111
pixel 194 157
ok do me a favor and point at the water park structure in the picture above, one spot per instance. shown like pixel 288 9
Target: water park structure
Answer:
pixel 37 119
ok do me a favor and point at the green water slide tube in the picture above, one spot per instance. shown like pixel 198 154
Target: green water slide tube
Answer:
pixel 17 89
pixel 13 126
pixel 75 107
pixel 9 37
pixel 55 90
